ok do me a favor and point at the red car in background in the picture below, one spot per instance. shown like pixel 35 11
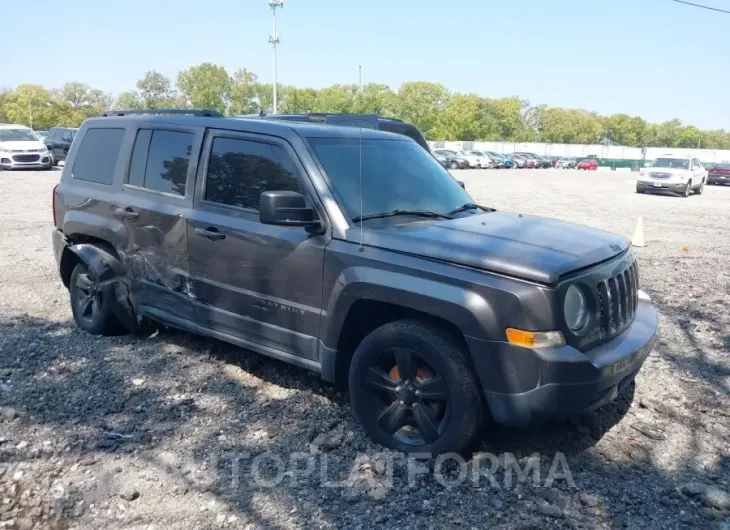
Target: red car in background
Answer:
pixel 719 174
pixel 528 162
pixel 588 164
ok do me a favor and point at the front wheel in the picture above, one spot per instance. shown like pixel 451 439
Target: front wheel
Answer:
pixel 454 165
pixel 412 389
pixel 687 189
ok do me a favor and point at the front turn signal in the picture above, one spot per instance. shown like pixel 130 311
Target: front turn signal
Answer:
pixel 534 339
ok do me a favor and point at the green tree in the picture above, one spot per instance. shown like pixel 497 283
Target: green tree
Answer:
pixel 243 93
pixel 375 98
pixel 206 86
pixel 31 105
pixel 155 90
pixel 421 103
pixel 464 118
pixel 129 100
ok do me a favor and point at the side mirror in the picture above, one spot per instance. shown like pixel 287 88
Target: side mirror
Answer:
pixel 286 208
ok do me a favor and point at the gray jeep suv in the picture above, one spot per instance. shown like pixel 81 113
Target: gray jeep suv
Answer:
pixel 353 253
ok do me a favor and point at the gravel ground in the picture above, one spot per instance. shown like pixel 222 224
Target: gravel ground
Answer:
pixel 175 431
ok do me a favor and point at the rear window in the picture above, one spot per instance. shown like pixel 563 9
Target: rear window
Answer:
pixel 97 156
pixel 721 166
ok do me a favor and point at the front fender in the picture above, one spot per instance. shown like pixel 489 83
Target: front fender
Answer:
pixel 467 310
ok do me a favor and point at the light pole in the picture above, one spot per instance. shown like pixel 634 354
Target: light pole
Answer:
pixel 274 40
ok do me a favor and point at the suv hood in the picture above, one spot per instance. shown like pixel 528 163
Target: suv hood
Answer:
pixel 524 246
pixel 22 145
pixel 671 171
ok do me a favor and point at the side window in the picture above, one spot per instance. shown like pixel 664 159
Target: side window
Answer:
pixel 97 156
pixel 240 170
pixel 139 158
pixel 160 160
pixel 66 136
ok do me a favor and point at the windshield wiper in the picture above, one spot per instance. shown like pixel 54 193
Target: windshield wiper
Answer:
pixel 394 213
pixel 469 206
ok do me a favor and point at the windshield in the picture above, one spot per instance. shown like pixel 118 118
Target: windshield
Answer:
pixel 396 175
pixel 17 135
pixel 495 155
pixel 672 163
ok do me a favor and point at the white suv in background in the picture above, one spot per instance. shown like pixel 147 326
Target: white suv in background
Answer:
pixel 21 148
pixel 679 174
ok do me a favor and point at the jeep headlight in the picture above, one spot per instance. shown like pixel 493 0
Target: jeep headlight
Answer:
pixel 575 309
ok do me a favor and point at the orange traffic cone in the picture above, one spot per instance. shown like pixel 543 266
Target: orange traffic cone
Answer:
pixel 638 238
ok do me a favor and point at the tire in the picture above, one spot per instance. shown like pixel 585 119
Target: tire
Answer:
pixel 687 189
pixel 454 165
pixel 700 188
pixel 639 190
pixel 92 306
pixel 391 407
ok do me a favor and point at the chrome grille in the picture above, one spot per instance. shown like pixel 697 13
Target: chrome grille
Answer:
pixel 618 297
pixel 658 175
pixel 26 158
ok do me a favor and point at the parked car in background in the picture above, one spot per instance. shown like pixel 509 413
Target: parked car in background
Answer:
pixel 21 148
pixel 545 161
pixel 566 163
pixel 504 160
pixel 589 164
pixel 41 134
pixel 719 173
pixel 675 173
pixel 517 161
pixel 456 161
pixel 537 161
pixel 485 161
pixel 442 159
pixel 529 162
pixel 59 141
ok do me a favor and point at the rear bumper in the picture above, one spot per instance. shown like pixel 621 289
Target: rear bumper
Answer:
pixel 718 179
pixel 525 386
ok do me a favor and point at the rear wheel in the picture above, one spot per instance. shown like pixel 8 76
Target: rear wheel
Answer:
pixel 454 165
pixel 412 390
pixel 91 303
pixel 700 188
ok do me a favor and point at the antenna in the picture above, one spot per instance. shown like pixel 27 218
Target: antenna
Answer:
pixel 362 247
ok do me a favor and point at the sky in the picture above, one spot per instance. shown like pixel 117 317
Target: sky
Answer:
pixel 657 59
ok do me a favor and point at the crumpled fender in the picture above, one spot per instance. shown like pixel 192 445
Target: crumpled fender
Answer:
pixel 112 275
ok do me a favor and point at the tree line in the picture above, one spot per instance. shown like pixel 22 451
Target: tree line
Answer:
pixel 439 113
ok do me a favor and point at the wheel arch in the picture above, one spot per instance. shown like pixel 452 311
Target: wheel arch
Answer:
pixel 362 305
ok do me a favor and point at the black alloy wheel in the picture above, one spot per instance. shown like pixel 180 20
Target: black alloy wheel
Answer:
pixel 412 389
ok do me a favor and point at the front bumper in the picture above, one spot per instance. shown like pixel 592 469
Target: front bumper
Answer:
pixel 676 186
pixel 12 161
pixel 524 386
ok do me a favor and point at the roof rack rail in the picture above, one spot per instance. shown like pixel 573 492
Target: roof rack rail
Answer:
pixel 206 113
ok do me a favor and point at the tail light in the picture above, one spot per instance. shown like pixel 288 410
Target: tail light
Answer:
pixel 53 204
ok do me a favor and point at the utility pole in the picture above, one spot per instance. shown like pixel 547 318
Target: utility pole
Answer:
pixel 274 40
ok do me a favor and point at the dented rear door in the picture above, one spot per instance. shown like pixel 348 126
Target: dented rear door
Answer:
pixel 154 208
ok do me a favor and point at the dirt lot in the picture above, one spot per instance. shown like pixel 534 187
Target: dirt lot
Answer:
pixel 168 431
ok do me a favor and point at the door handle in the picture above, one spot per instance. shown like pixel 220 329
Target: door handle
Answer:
pixel 211 233
pixel 127 212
